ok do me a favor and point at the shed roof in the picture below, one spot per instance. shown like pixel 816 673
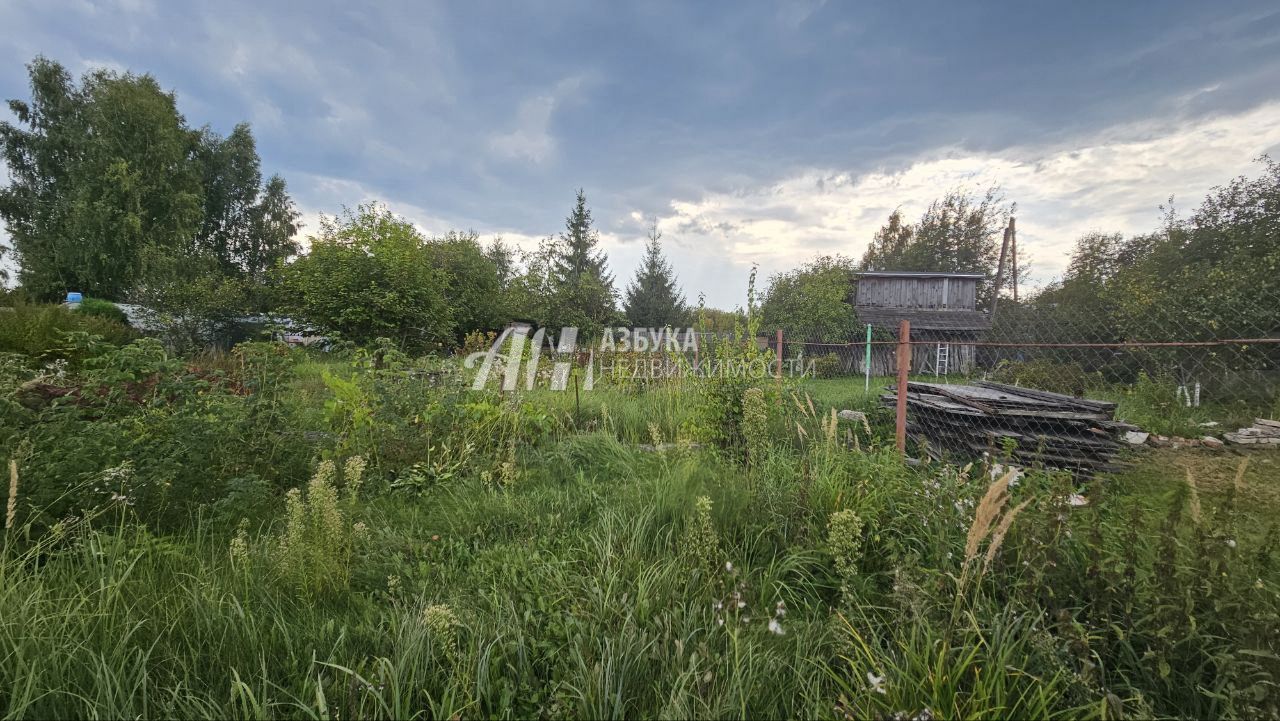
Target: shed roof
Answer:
pixel 923 318
pixel 917 274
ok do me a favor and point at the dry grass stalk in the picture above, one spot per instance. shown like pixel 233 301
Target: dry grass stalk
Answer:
pixel 997 537
pixel 796 399
pixel 988 509
pixel 11 510
pixel 1194 498
pixel 1239 482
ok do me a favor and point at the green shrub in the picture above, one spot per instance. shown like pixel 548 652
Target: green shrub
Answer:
pixel 1046 375
pixel 826 366
pixel 1155 405
pixel 844 538
pixel 40 331
pixel 103 309
pixel 136 426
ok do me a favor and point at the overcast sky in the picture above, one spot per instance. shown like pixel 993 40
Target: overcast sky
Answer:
pixel 751 132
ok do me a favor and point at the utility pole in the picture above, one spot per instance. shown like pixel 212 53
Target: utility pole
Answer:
pixel 1013 247
pixel 1004 251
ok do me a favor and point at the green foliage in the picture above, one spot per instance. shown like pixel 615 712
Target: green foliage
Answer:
pixel 827 365
pixel 44 331
pixel 1047 375
pixel 314 550
pixel 370 274
pixel 247 227
pixel 822 581
pixel 1154 405
pixel 582 293
pixel 840 593
pixel 474 290
pixel 755 424
pixel 202 309
pixel 186 437
pixel 813 302
pixel 958 233
pixel 109 186
pixel 101 178
pixel 701 542
pixel 1211 275
pixel 653 299
pixel 729 367
pixel 103 309
pixel 844 538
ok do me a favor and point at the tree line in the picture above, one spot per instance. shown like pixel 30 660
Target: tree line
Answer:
pixel 960 232
pixel 113 194
pixel 1212 274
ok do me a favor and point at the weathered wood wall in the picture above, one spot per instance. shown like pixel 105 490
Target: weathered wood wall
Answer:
pixel 910 292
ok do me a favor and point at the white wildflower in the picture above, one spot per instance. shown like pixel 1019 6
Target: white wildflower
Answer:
pixel 775 627
pixel 877 682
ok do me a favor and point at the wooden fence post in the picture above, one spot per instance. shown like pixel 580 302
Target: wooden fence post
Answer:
pixel 904 366
pixel 778 371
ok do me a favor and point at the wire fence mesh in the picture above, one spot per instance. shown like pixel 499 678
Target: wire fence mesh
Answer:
pixel 1064 384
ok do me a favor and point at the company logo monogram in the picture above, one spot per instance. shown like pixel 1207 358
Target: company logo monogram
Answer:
pixel 509 362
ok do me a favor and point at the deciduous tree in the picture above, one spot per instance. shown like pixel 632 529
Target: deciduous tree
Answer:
pixel 370 274
pixel 101 179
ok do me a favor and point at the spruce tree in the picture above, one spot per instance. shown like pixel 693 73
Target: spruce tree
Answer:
pixel 653 298
pixel 583 288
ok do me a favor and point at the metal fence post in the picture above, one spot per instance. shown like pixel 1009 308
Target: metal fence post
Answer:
pixel 904 366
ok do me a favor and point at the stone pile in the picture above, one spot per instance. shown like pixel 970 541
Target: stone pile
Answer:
pixel 1263 432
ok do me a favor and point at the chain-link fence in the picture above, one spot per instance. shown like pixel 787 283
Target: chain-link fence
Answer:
pixel 1061 383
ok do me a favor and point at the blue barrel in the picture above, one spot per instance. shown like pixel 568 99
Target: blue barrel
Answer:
pixel 74 297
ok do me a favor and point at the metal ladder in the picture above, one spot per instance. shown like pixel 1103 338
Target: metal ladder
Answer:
pixel 943 365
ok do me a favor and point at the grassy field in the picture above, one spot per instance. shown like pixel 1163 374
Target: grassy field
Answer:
pixel 275 535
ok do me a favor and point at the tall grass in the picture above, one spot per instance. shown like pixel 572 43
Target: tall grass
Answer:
pixel 618 578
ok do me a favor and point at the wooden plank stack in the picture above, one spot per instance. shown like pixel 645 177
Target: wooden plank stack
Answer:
pixel 1264 432
pixel 1048 429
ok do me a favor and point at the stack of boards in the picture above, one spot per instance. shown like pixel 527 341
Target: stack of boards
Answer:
pixel 1049 430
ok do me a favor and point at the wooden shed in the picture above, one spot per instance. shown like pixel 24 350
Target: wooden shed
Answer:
pixel 942 308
